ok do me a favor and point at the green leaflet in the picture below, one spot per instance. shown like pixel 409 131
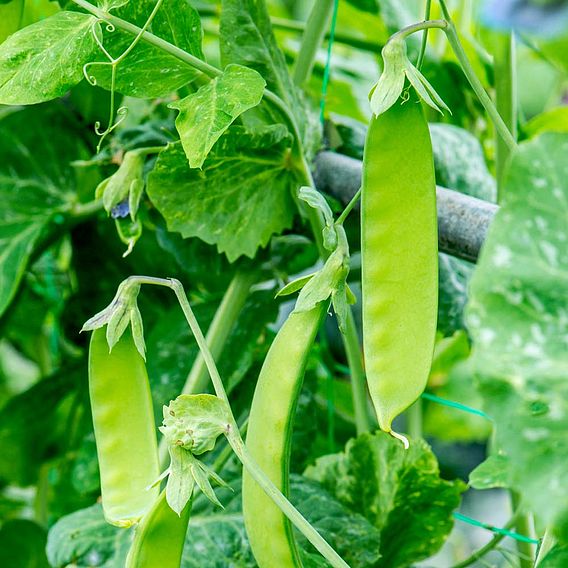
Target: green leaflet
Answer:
pixel 43 61
pixel 246 176
pixel 518 319
pixel 205 115
pixel 387 484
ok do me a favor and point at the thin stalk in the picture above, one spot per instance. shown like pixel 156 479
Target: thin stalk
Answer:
pixel 481 552
pixel 523 526
pixel 299 521
pixel 223 322
pixel 475 83
pixel 420 26
pixel 349 206
pixel 233 435
pixel 414 418
pixel 424 42
pixel 358 382
pixel 314 32
pixel 505 98
pixel 150 38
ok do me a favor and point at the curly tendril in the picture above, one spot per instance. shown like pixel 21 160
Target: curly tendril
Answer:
pixel 115 118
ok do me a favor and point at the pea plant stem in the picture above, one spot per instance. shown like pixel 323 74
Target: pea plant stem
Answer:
pixel 492 544
pixel 358 382
pixel 424 41
pixel 489 106
pixel 504 70
pixel 223 322
pixel 233 436
pixel 299 521
pixel 523 526
pixel 202 66
pixel 312 38
pixel 414 420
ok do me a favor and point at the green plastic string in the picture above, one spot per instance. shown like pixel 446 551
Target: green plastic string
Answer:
pixel 326 71
pixel 457 405
pixel 496 530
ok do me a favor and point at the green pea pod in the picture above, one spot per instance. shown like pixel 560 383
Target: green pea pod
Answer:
pixel 399 259
pixel 123 419
pixel 269 437
pixel 160 537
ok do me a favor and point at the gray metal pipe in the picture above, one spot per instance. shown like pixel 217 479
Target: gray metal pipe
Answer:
pixel 463 221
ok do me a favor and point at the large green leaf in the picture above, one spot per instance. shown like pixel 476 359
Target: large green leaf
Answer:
pixel 399 491
pixel 43 61
pixel 36 184
pixel 518 318
pixel 241 198
pixel 148 71
pixel 205 115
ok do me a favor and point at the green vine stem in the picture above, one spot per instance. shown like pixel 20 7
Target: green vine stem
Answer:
pixel 358 381
pixel 233 435
pixel 523 526
pixel 492 544
pixel 312 38
pixel 414 420
pixel 223 322
pixel 504 70
pixel 299 521
pixel 424 41
pixel 202 66
pixel 484 98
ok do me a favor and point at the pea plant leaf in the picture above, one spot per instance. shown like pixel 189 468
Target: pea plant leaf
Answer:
pixel 205 115
pixel 247 39
pixel 84 538
pixel 36 186
pixel 147 71
pixel 387 484
pixel 246 177
pixel 518 319
pixel 43 61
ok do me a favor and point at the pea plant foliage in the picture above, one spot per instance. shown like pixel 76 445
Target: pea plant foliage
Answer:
pixel 212 354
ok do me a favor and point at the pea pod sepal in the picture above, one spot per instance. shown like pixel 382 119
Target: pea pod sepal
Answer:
pixel 119 314
pixel 191 426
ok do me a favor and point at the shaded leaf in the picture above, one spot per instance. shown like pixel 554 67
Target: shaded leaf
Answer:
pixel 37 184
pixel 246 176
pixel 399 491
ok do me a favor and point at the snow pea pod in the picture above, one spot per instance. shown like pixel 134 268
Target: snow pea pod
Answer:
pixel 160 537
pixel 123 420
pixel 269 437
pixel 399 258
